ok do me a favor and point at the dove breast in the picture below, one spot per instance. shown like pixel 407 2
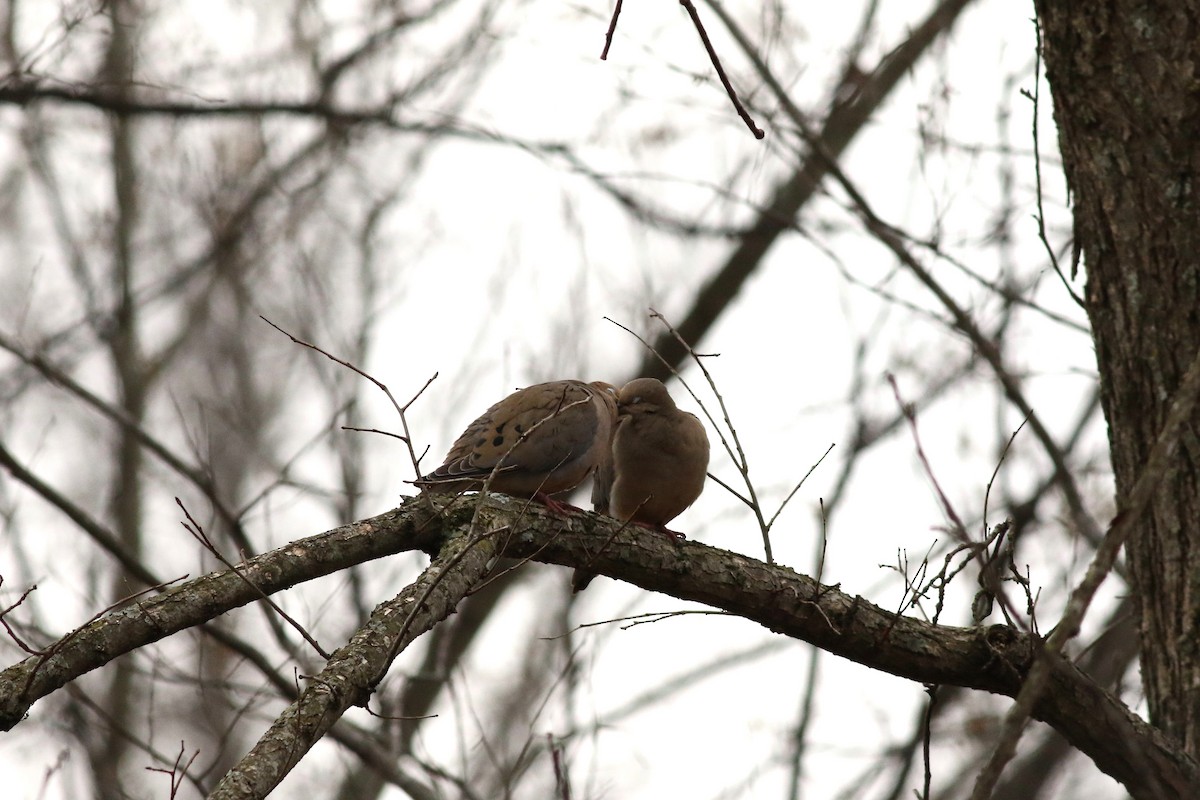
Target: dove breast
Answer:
pixel 660 456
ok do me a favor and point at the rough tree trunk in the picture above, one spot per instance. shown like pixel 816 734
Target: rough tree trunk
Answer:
pixel 1125 77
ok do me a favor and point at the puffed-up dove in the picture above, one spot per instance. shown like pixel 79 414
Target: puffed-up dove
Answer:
pixel 659 461
pixel 538 441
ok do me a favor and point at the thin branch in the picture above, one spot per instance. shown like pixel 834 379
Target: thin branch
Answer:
pixel 11 633
pixel 178 770
pixel 400 410
pixel 1157 464
pixel 987 349
pixel 957 526
pixel 130 427
pixel 735 451
pixel 796 488
pixel 612 28
pixel 716 62
pixel 107 540
pixel 1040 217
pixel 838 130
pixel 197 532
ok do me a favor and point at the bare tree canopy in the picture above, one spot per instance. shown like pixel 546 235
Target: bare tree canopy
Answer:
pixel 929 276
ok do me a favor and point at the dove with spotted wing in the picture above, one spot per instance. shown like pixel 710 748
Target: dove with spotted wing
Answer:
pixel 536 442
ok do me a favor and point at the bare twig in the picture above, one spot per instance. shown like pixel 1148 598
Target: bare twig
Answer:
pixel 13 634
pixel 716 62
pixel 197 531
pixel 612 28
pixel 640 619
pixel 1122 525
pixel 562 782
pixel 716 478
pixel 178 771
pixel 957 526
pixel 990 563
pixel 740 459
pixel 1035 96
pixel 376 430
pixel 105 538
pixel 712 56
pixel 796 488
pixel 400 410
pixel 195 475
pixel 926 738
pixel 735 451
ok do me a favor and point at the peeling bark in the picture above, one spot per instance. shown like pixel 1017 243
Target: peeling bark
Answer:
pixel 1126 83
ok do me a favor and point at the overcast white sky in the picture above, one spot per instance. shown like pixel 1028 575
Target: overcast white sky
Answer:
pixel 504 268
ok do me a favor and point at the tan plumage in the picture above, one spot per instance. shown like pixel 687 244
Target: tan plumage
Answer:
pixel 660 456
pixel 539 441
pixel 658 463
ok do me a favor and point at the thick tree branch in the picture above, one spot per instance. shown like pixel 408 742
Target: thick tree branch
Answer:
pixel 1123 524
pixel 994 659
pixel 196 602
pixel 352 673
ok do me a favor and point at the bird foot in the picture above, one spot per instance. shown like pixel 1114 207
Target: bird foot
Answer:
pixel 674 535
pixel 556 506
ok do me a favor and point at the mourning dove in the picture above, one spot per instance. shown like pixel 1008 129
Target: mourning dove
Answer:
pixel 658 465
pixel 538 441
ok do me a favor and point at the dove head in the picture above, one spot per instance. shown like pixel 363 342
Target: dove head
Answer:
pixel 644 396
